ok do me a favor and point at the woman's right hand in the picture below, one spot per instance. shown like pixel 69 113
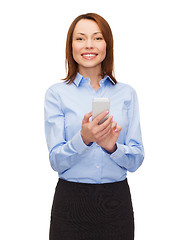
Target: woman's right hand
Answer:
pixel 91 131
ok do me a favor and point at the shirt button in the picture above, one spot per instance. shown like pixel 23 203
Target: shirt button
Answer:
pixel 97 166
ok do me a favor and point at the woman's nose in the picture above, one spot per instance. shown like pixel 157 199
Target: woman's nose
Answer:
pixel 89 44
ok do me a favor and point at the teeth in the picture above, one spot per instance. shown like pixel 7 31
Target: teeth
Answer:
pixel 89 55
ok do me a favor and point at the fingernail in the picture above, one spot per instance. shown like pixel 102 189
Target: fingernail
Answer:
pixel 107 112
pixel 115 130
pixel 90 113
pixel 111 118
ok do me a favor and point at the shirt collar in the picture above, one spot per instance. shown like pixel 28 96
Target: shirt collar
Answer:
pixel 106 77
pixel 79 78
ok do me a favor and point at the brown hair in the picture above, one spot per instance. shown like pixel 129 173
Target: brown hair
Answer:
pixel 108 62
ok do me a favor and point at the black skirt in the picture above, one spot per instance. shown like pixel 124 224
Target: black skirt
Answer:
pixel 84 211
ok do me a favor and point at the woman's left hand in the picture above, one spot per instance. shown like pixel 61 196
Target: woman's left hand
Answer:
pixel 109 141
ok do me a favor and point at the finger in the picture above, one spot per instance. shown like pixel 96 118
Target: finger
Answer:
pixel 105 125
pixel 107 128
pixel 118 129
pixel 114 125
pixel 115 128
pixel 102 129
pixel 102 115
pixel 104 135
pixel 86 117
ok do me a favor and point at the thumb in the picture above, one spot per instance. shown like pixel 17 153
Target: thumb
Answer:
pixel 87 117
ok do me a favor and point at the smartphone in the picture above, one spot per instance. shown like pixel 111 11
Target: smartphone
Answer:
pixel 100 105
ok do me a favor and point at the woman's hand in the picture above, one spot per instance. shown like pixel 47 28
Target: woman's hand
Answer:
pixel 109 142
pixel 105 134
pixel 92 131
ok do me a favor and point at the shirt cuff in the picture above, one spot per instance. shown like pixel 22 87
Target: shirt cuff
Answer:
pixel 78 143
pixel 118 153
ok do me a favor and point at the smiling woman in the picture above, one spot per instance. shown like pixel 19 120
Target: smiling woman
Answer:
pixel 92 198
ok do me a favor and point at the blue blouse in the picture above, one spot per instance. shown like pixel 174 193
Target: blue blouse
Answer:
pixel 65 107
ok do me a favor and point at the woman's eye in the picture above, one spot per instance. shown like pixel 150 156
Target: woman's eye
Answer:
pixel 99 38
pixel 79 39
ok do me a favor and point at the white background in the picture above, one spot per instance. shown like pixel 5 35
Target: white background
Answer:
pixel 32 57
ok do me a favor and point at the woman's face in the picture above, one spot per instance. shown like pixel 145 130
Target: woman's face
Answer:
pixel 88 45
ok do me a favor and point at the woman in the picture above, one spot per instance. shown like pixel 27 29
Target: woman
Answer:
pixel 92 198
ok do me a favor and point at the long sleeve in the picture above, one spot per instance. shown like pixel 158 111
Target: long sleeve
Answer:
pixel 65 106
pixel 63 154
pixel 131 154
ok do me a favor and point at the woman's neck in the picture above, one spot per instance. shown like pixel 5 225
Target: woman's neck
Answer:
pixel 94 74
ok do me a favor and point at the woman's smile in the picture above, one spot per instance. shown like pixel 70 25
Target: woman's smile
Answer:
pixel 89 55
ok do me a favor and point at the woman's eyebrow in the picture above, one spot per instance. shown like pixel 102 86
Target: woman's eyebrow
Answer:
pixel 85 34
pixel 81 33
pixel 97 33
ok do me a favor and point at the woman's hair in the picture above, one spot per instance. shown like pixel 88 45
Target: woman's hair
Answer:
pixel 108 62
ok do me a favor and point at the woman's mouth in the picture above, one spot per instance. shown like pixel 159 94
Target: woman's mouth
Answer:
pixel 89 56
